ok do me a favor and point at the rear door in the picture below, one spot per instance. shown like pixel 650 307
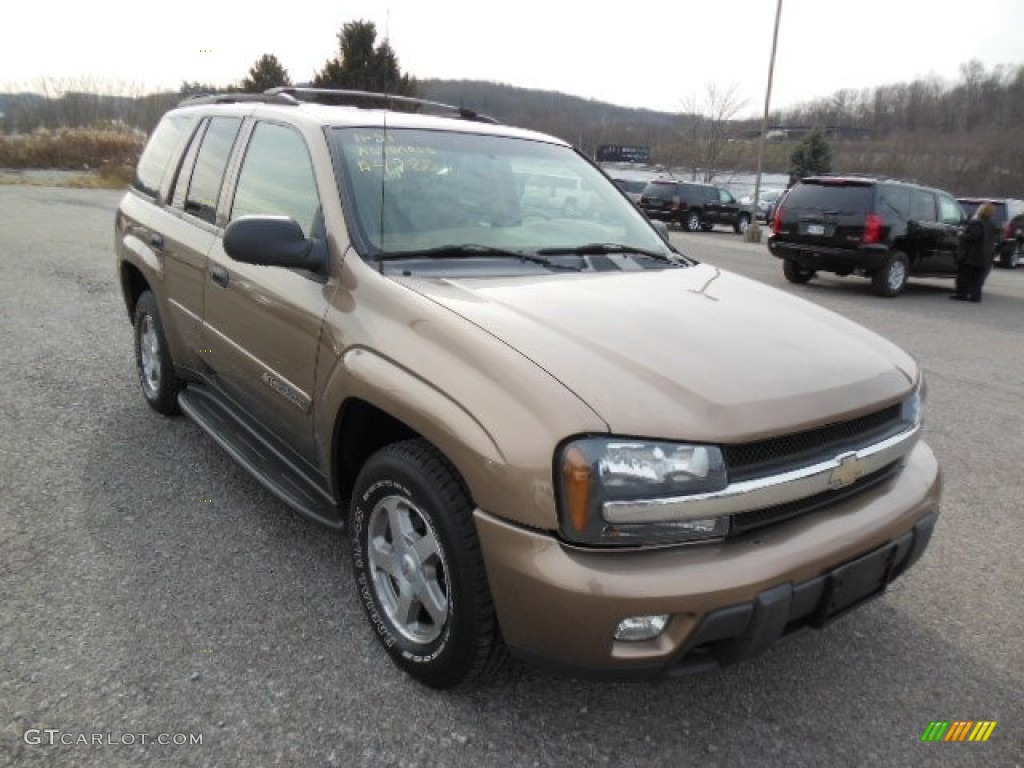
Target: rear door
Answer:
pixel 194 199
pixel 925 235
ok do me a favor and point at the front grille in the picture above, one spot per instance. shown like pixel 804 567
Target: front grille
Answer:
pixel 744 522
pixel 801 449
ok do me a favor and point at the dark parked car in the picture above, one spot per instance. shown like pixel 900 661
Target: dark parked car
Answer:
pixel 883 229
pixel 765 202
pixel 633 188
pixel 1009 217
pixel 693 206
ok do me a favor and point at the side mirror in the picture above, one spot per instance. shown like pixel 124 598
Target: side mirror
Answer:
pixel 271 241
pixel 661 228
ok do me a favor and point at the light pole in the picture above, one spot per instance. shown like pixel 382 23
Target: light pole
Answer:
pixel 753 234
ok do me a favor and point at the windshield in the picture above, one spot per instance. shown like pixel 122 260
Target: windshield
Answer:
pixel 423 192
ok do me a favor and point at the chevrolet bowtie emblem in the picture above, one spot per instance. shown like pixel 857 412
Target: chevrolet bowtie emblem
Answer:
pixel 849 471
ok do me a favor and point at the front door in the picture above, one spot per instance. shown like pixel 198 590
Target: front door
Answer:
pixel 262 324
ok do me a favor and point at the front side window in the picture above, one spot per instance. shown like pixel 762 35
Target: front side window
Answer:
pixel 413 190
pixel 277 177
pixel 949 210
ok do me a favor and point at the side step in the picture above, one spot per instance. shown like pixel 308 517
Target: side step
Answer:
pixel 299 489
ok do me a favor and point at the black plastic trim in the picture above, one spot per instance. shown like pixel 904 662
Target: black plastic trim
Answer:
pixel 258 453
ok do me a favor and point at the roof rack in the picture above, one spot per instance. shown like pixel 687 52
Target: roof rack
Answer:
pixel 370 100
pixel 235 98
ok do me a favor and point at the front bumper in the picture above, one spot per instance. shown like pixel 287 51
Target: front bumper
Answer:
pixel 559 606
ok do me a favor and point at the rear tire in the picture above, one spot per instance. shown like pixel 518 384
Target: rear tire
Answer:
pixel 796 273
pixel 891 279
pixel 419 569
pixel 691 222
pixel 160 385
pixel 1010 259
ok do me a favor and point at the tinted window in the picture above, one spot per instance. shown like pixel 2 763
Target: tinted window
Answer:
pixel 661 189
pixel 922 206
pixel 949 210
pixel 277 177
pixel 204 187
pixel 160 150
pixel 725 196
pixel 840 197
pixel 894 202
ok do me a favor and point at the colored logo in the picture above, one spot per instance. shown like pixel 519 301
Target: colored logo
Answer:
pixel 958 730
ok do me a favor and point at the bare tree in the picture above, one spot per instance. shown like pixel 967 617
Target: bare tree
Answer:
pixel 705 127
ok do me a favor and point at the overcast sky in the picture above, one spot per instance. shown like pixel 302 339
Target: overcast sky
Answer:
pixel 656 55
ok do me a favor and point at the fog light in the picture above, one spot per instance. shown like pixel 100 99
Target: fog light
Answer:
pixel 641 627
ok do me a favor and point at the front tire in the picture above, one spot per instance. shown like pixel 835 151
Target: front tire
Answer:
pixel 741 225
pixel 160 385
pixel 891 279
pixel 419 569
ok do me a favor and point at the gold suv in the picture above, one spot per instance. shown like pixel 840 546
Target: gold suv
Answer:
pixel 547 433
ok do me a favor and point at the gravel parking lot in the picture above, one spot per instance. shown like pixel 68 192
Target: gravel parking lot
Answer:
pixel 151 590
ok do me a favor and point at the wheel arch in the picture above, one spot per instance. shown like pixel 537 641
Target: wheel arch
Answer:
pixel 133 285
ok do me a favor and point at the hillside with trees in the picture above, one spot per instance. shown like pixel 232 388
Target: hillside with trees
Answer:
pixel 963 136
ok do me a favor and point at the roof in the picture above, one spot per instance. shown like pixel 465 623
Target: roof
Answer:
pixel 352 108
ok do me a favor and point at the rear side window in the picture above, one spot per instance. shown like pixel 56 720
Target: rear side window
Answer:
pixel 923 206
pixel 204 186
pixel 161 149
pixel 838 197
pixel 660 189
pixel 277 177
pixel 894 202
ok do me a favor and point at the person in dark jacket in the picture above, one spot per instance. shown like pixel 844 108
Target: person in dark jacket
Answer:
pixel 977 247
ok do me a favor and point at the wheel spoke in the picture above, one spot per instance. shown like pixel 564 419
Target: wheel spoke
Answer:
pixel 406 607
pixel 433 599
pixel 426 549
pixel 399 524
pixel 382 555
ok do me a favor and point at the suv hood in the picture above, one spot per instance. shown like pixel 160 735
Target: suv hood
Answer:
pixel 694 353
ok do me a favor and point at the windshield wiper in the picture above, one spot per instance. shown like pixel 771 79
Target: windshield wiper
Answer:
pixel 601 249
pixel 471 250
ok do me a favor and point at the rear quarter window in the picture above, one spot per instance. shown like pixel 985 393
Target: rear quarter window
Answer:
pixel 160 151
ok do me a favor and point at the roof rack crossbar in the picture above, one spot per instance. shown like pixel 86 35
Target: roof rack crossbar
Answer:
pixel 370 100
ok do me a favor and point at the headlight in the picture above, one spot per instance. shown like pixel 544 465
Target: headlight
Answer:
pixel 912 412
pixel 593 472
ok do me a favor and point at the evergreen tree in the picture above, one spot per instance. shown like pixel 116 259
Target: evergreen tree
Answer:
pixel 364 65
pixel 266 73
pixel 812 156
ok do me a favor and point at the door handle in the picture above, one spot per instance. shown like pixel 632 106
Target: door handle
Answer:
pixel 219 275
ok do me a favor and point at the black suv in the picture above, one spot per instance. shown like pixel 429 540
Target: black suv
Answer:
pixel 884 229
pixel 693 206
pixel 1009 217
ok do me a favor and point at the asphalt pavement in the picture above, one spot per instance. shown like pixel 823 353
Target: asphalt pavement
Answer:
pixel 151 591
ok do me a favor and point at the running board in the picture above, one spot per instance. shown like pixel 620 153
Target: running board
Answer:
pixel 297 488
